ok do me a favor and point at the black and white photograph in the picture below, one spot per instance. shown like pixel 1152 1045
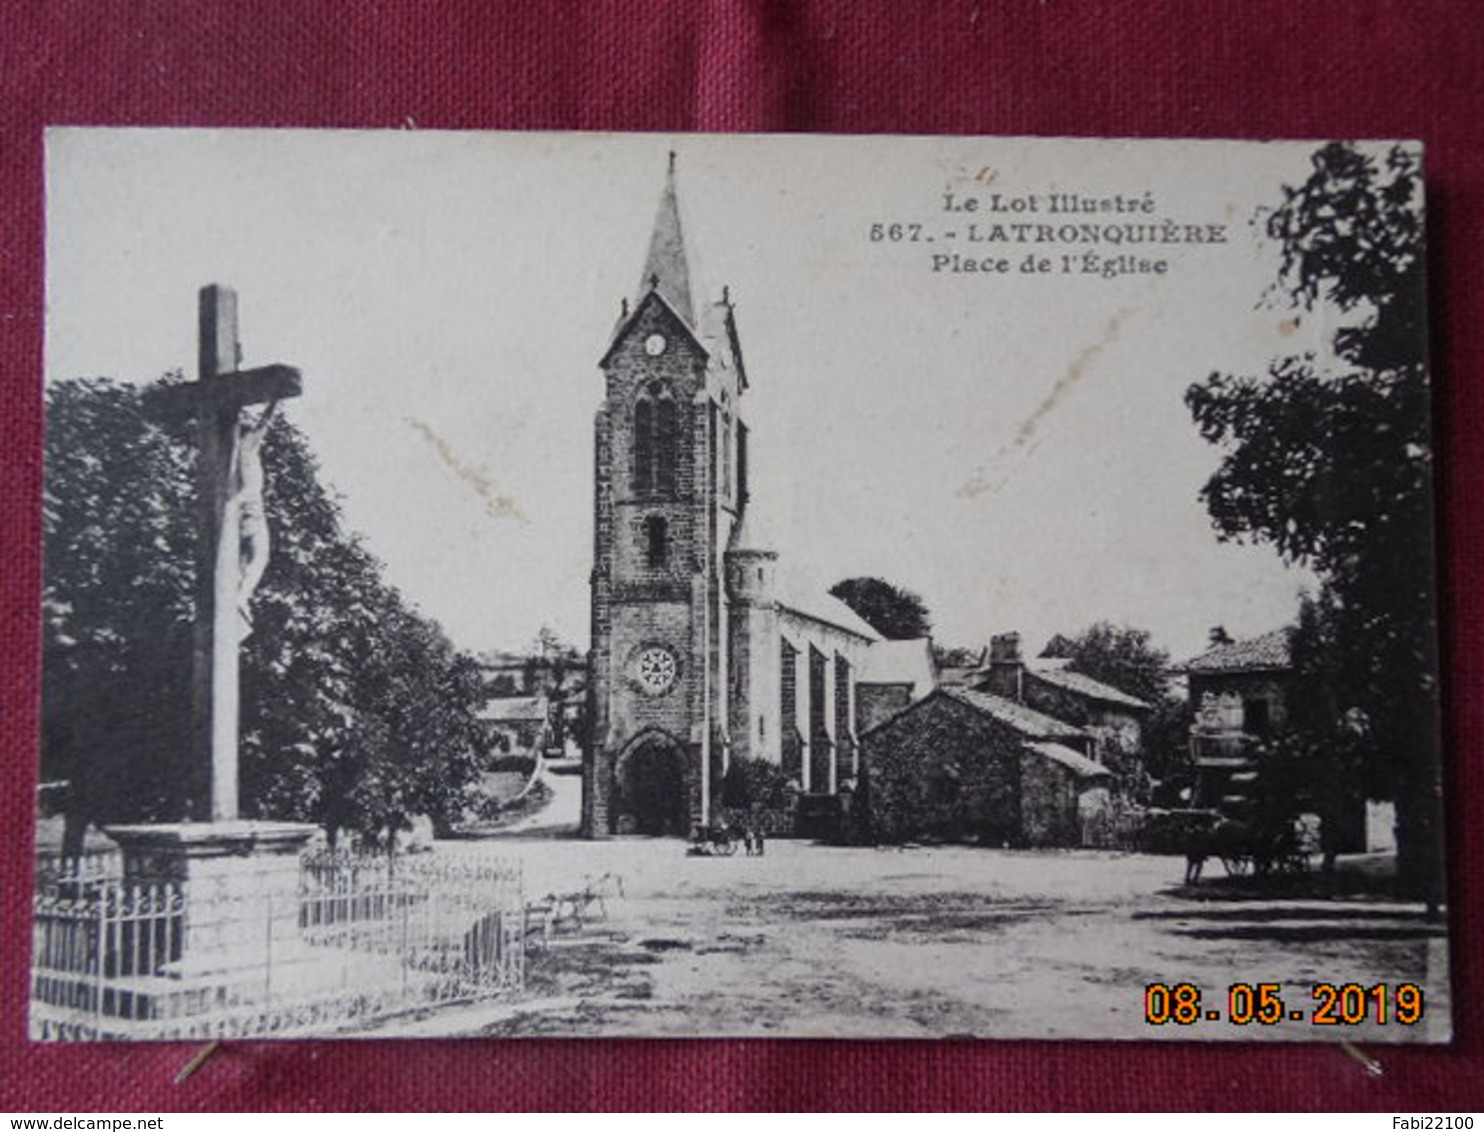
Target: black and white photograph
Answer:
pixel 599 585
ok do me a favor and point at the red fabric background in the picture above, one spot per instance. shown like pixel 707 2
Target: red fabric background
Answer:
pixel 1248 69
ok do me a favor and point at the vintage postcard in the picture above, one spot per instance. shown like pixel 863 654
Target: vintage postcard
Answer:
pixel 600 585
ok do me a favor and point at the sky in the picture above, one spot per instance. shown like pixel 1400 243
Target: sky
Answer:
pixel 1012 446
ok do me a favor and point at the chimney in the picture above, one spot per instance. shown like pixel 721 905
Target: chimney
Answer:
pixel 1005 667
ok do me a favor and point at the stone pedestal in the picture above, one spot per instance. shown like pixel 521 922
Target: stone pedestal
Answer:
pixel 239 887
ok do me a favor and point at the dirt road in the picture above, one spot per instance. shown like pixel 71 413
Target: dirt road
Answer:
pixel 934 942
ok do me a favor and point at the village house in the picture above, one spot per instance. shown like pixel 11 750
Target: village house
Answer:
pixel 1241 692
pixel 535 700
pixel 1011 752
pixel 964 765
pixel 1113 718
pixel 518 725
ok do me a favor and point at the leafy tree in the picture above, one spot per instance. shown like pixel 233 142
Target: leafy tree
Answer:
pixel 895 613
pixel 1117 655
pixel 1127 659
pixel 117 607
pixel 356 710
pixel 1167 741
pixel 1327 736
pixel 755 783
pixel 1331 464
pixel 504 685
pixel 956 656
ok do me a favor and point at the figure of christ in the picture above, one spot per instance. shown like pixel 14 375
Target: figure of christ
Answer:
pixel 245 519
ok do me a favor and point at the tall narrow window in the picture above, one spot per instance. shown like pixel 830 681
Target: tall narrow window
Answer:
pixel 726 445
pixel 821 753
pixel 845 758
pixel 793 750
pixel 842 700
pixel 726 455
pixel 656 441
pixel 644 445
pixel 657 541
pixel 667 446
pixel 741 463
pixel 818 709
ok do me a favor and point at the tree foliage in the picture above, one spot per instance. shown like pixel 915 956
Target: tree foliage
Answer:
pixel 1330 462
pixel 356 711
pixel 1117 655
pixel 556 670
pixel 1126 658
pixel 957 656
pixel 755 784
pixel 117 604
pixel 895 613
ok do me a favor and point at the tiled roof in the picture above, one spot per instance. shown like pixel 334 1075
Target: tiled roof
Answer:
pixel 1082 685
pixel 1018 717
pixel 1080 765
pixel 797 596
pixel 1269 651
pixel 830 611
pixel 959 675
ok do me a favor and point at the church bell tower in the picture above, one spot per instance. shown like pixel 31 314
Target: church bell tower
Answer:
pixel 670 462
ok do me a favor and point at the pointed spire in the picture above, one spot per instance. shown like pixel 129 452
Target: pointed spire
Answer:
pixel 667 268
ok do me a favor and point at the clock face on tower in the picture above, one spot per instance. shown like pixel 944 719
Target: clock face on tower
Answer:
pixel 654 669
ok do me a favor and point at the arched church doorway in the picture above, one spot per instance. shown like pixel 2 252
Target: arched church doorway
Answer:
pixel 651 776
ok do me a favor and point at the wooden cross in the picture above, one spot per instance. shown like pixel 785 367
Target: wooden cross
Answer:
pixel 227 443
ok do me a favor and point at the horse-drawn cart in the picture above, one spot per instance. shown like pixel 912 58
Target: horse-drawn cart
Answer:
pixel 713 841
pixel 1244 848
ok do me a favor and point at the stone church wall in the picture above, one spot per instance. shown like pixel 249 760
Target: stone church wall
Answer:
pixel 633 629
pixel 637 601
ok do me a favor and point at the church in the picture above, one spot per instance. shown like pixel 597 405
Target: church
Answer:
pixel 698 658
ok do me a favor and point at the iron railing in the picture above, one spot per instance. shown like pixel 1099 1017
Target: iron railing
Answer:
pixel 364 938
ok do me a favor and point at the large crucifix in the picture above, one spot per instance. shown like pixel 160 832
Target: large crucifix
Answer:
pixel 231 533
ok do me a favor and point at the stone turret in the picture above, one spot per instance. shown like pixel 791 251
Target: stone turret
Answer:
pixel 752 625
pixel 751 568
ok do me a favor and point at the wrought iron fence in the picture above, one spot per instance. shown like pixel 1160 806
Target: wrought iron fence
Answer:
pixel 364 938
pixel 69 874
pixel 462 920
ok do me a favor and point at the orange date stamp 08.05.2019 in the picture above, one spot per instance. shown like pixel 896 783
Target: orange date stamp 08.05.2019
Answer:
pixel 1265 1004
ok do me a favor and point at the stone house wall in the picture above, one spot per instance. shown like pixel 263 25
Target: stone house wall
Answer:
pixel 1058 807
pixel 1115 729
pixel 1270 688
pixel 943 771
pixel 876 703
